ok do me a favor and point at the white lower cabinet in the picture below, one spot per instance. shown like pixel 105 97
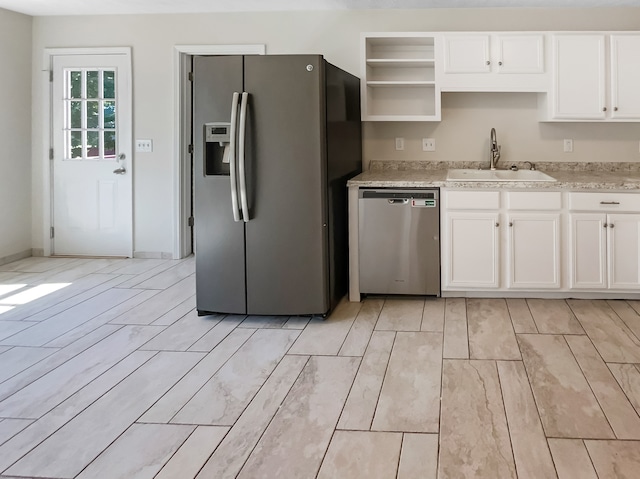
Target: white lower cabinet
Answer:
pixel 499 240
pixel 473 250
pixel 605 251
pixel 534 251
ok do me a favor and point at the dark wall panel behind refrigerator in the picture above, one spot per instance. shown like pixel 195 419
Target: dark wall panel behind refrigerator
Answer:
pixel 220 260
pixel 287 237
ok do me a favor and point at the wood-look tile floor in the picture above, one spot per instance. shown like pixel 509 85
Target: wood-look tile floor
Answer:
pixel 106 371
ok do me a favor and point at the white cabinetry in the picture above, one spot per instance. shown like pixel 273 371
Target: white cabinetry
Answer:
pixel 471 249
pixel 398 77
pixel 534 239
pixel 605 245
pixel 474 250
pixel 499 240
pixel 579 77
pixel 493 62
pixel 625 76
pixel 591 82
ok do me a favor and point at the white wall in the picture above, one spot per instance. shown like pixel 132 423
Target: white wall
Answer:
pixel 15 135
pixel 462 134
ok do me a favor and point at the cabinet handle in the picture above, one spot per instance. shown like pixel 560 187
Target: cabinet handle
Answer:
pixel 500 63
pixel 510 224
pixel 605 225
pixel 615 108
pixel 497 224
pixel 610 225
pixel 604 108
pixel 488 62
pixel 609 202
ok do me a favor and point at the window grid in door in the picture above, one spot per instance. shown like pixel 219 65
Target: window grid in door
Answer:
pixel 90 114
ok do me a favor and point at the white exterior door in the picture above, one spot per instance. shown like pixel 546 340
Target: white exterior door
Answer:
pixel 92 152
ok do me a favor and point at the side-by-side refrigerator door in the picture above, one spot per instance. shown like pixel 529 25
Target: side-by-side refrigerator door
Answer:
pixel 219 230
pixel 287 261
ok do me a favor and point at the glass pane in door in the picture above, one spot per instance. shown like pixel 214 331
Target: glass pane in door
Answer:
pixel 90 114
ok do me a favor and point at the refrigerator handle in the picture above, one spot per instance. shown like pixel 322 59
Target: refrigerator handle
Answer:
pixel 241 157
pixel 232 157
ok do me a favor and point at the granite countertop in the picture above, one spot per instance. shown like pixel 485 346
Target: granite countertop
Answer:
pixel 573 176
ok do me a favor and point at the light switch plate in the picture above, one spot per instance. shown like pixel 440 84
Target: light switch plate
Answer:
pixel 399 144
pixel 144 146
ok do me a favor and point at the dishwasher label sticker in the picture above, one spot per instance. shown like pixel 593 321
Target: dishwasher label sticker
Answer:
pixel 420 203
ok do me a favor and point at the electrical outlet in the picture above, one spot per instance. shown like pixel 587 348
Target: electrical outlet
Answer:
pixel 428 144
pixel 144 146
pixel 568 146
pixel 399 144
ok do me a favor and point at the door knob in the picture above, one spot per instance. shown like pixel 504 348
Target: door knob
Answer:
pixel 120 171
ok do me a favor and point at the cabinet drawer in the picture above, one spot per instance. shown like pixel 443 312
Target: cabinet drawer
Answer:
pixel 604 202
pixel 472 200
pixel 534 200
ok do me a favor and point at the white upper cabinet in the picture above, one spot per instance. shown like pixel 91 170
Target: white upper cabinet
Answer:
pixel 493 62
pixel 625 76
pixel 466 54
pixel 595 77
pixel 579 77
pixel 398 77
pixel 520 53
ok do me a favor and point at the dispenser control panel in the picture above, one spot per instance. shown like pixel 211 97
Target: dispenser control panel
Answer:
pixel 218 131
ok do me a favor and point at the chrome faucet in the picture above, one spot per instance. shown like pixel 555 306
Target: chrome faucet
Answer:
pixel 495 150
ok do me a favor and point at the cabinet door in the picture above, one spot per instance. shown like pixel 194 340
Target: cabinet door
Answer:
pixel 471 253
pixel 520 53
pixel 625 76
pixel 624 251
pixel 534 251
pixel 588 251
pixel 466 54
pixel 579 77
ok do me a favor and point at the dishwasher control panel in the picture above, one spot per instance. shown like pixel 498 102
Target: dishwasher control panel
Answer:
pixel 423 203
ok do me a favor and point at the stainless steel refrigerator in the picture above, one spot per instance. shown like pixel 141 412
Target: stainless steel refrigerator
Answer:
pixel 276 138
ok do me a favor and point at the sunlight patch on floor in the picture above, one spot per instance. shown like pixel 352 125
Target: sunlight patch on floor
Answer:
pixel 34 293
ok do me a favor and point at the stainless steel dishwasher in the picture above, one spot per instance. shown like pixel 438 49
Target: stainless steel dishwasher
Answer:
pixel 399 241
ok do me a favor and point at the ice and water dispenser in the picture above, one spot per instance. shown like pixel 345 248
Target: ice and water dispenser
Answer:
pixel 217 148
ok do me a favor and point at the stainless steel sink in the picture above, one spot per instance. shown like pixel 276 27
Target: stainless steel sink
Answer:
pixel 497 175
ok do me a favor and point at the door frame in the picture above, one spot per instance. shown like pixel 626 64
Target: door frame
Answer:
pixel 182 184
pixel 47 140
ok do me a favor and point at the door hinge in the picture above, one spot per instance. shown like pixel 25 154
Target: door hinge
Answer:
pixel 190 148
pixel 191 221
pixel 50 75
pixel 51 153
pixel 190 76
pixel 51 233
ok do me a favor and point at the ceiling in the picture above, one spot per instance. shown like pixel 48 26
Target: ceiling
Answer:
pixel 106 7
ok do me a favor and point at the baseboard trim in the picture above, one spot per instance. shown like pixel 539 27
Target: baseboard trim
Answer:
pixel 15 257
pixel 152 255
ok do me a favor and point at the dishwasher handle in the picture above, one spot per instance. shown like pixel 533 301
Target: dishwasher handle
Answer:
pixel 398 201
